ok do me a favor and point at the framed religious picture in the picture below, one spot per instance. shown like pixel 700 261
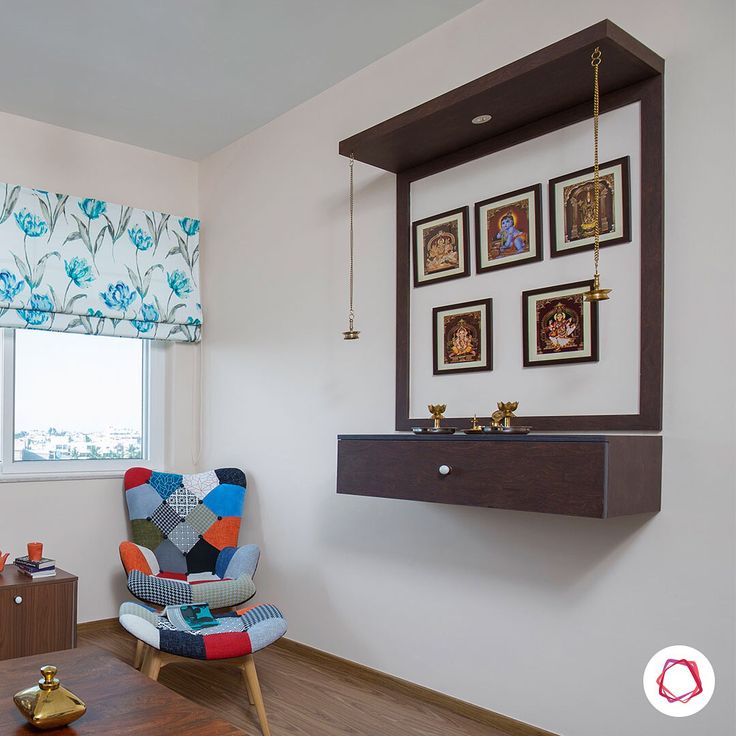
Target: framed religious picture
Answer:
pixel 571 208
pixel 462 337
pixel 508 229
pixel 441 247
pixel 559 325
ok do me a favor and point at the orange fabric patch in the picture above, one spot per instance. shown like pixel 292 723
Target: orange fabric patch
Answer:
pixel 133 559
pixel 224 532
pixel 241 611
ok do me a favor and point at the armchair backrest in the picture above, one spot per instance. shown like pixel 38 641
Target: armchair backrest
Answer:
pixel 185 520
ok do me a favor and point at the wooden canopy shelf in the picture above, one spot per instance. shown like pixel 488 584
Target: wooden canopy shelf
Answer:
pixel 575 475
pixel 545 83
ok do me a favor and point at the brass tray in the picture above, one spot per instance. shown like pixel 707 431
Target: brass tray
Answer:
pixel 518 429
pixel 478 430
pixel 433 430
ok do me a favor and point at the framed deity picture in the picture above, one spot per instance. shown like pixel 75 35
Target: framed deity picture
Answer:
pixel 571 208
pixel 508 229
pixel 559 325
pixel 441 247
pixel 462 337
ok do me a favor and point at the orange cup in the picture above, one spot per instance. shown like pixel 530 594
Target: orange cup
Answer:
pixel 35 551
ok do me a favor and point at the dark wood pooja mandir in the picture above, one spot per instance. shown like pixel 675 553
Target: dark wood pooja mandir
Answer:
pixel 583 475
pixel 597 476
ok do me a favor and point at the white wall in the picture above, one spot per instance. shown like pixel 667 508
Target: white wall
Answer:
pixel 548 619
pixel 82 522
pixel 563 389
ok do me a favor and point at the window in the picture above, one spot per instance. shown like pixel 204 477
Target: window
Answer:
pixel 75 403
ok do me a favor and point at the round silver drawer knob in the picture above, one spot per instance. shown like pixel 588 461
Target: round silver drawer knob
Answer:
pixel 444 469
pixel 19 599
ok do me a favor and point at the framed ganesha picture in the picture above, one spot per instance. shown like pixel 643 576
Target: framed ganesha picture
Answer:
pixel 508 229
pixel 462 337
pixel 559 325
pixel 441 247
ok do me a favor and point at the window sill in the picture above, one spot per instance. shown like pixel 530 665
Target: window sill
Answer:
pixel 60 476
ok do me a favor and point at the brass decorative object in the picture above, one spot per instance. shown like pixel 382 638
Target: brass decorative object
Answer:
pixel 351 333
pixel 596 294
pixel 507 410
pixel 501 420
pixel 438 413
pixel 48 705
pixel 475 427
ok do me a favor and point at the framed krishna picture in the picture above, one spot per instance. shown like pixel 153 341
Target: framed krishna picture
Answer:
pixel 441 247
pixel 508 229
pixel 559 325
pixel 462 337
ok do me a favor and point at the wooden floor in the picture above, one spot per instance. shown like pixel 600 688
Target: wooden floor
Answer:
pixel 303 698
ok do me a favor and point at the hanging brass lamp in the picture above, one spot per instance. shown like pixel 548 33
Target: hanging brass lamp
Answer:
pixel 596 294
pixel 351 333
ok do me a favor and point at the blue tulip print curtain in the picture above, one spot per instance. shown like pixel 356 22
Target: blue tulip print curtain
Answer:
pixel 74 264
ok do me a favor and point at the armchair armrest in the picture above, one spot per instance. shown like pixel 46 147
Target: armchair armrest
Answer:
pixel 135 557
pixel 234 562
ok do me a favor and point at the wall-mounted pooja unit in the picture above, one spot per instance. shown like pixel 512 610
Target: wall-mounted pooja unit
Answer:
pixel 513 230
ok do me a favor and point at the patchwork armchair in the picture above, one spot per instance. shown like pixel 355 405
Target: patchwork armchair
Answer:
pixel 184 546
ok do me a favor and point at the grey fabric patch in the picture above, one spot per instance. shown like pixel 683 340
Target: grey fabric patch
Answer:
pixel 184 537
pixel 170 557
pixel 142 501
pixel 201 518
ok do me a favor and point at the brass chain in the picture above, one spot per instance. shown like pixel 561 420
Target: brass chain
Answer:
pixel 351 313
pixel 595 61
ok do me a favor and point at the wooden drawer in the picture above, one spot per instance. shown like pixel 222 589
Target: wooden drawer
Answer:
pixel 46 618
pixel 579 476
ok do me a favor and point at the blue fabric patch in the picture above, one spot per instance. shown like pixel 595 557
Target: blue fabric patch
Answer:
pixel 142 501
pixel 226 500
pixel 223 560
pixel 165 483
pixel 244 561
pixel 183 644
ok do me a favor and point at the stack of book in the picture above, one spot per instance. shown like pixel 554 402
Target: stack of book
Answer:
pixel 44 568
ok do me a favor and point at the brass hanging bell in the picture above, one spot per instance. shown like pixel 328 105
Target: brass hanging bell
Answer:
pixel 351 333
pixel 596 294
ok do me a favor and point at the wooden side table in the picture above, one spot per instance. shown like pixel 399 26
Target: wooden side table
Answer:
pixel 36 616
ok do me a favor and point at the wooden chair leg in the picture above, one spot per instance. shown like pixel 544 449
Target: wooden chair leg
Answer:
pixel 140 650
pixel 146 659
pixel 251 699
pixel 152 663
pixel 251 680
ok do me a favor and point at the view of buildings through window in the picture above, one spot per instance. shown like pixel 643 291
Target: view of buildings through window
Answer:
pixel 77 397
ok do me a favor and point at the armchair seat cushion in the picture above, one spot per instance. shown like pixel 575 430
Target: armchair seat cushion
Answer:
pixel 237 634
pixel 164 590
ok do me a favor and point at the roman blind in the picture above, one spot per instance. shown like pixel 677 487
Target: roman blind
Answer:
pixel 74 264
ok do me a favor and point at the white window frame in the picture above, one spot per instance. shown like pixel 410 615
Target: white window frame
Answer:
pixel 153 404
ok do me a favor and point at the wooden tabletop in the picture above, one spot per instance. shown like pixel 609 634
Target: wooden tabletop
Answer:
pixel 12 576
pixel 120 700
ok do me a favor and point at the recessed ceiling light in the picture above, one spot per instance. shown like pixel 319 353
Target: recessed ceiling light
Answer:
pixel 480 119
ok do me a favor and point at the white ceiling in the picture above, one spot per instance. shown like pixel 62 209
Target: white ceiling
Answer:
pixel 187 77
